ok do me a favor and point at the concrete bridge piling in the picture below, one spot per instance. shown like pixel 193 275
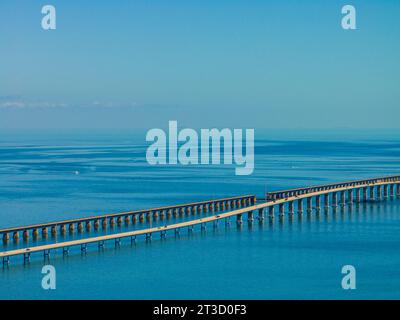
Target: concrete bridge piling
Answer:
pixel 390 186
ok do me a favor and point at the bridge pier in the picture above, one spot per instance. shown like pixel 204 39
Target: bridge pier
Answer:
pixel 350 197
pixel 169 213
pixel 6 237
pixel 35 233
pixel 239 219
pixel 291 208
pixel 127 220
pixel 379 193
pixel 271 212
pixel 372 193
pixel 300 206
pixel 44 232
pixel 104 223
pixel 71 227
pixel 365 194
pixel 281 210
pixel 162 214
pixel 63 229
pixel 250 216
pixel 96 224
pixel 342 198
pixel 358 195
pixel 54 230
pixel 326 201
pixel 80 227
pixel 6 261
pixel 385 191
pixel 88 225
pixel 318 202
pixel 334 199
pixel 392 190
pixel 25 234
pixel 261 214
pixel 309 205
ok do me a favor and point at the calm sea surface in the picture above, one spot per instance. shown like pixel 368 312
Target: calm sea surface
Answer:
pixel 51 175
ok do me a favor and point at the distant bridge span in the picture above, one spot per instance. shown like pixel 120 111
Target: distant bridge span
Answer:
pixel 371 190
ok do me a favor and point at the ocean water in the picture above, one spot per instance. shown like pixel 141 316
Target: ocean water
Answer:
pixel 46 176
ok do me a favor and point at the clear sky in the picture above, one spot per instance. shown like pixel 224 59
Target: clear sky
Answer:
pixel 225 63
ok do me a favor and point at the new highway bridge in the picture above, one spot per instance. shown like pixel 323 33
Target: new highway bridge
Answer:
pixel 310 198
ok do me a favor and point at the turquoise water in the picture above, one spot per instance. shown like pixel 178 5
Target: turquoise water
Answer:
pixel 50 176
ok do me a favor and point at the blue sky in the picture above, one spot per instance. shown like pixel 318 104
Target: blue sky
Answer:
pixel 253 64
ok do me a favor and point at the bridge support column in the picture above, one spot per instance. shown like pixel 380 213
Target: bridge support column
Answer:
pixel 291 208
pixel 334 199
pixel 358 195
pixel 379 193
pixel 385 191
pixel 365 194
pixel 25 234
pixel 71 227
pixel 162 213
pixel 35 233
pixel 80 226
pixel 350 197
pixel 96 224
pixel 250 216
pixel 239 219
pixel 300 206
pixel 309 205
pixel 44 232
pixel 271 211
pixel 326 201
pixel 104 223
pixel 318 202
pixel 54 230
pixel 169 212
pixel 261 214
pixel 63 229
pixel 398 190
pixel 281 210
pixel 6 237
pixel 372 193
pixel 342 198
pixel 16 235
pixel 392 190
pixel 88 225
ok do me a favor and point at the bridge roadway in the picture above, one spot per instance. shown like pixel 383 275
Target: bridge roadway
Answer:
pixel 374 184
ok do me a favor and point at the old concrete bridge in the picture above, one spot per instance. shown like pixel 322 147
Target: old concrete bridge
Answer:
pixel 284 200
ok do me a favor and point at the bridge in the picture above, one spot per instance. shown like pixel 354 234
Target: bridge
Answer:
pixel 82 224
pixel 370 189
